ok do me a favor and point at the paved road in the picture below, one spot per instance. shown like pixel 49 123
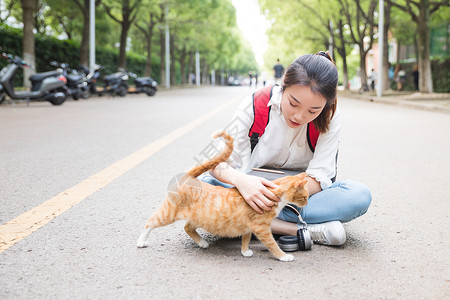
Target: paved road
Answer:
pixel 399 249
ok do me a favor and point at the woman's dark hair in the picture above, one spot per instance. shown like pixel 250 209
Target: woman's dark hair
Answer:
pixel 319 72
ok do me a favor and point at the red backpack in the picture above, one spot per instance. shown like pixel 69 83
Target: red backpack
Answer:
pixel 261 119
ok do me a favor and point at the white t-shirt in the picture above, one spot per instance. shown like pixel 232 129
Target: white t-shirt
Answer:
pixel 281 146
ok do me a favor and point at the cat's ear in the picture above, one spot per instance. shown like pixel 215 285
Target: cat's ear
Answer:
pixel 302 175
pixel 302 183
pixel 298 184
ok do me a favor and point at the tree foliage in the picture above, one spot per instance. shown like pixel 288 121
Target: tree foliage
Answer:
pixel 135 28
pixel 305 26
pixel 420 11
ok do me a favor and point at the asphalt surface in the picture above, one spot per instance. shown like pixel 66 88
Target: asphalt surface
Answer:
pixel 398 250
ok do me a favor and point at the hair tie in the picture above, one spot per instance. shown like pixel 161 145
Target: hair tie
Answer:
pixel 326 55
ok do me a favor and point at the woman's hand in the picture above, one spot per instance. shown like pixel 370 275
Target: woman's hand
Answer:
pixel 255 192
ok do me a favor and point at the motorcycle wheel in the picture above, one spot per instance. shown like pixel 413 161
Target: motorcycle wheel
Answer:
pixel 122 91
pixel 75 96
pixel 58 100
pixel 2 97
pixel 85 94
pixel 150 91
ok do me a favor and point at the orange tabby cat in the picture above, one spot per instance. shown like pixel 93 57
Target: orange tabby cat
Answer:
pixel 222 211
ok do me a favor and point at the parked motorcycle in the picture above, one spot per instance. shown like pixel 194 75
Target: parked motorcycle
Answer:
pixel 48 86
pixel 77 85
pixel 143 85
pixel 91 78
pixel 113 84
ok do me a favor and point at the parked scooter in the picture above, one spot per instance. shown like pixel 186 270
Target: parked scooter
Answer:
pixel 143 85
pixel 48 86
pixel 91 78
pixel 113 84
pixel 76 83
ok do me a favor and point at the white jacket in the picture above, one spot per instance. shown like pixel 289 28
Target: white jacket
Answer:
pixel 281 146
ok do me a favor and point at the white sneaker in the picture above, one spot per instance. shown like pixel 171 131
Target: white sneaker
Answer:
pixel 329 233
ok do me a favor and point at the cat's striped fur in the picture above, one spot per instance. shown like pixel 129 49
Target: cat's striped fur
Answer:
pixel 222 211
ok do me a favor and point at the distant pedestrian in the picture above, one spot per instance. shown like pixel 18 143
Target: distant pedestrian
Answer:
pixel 278 71
pixel 373 78
pixel 250 77
pixel 400 77
pixel 264 77
pixel 391 75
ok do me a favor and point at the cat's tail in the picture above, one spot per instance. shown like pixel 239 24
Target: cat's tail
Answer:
pixel 211 164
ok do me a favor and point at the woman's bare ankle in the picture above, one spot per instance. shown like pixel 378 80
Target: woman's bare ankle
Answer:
pixel 284 228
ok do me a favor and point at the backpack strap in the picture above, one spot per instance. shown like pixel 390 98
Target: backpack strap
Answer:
pixel 312 135
pixel 261 114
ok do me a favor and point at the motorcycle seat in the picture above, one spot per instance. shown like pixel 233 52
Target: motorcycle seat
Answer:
pixel 42 76
pixel 74 78
pixel 114 76
pixel 143 80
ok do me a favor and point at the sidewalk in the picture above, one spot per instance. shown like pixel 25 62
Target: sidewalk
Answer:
pixel 433 101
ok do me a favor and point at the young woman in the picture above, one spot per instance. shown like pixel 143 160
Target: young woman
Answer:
pixel 307 94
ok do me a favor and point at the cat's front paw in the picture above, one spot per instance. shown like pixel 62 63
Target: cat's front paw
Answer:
pixel 142 244
pixel 248 253
pixel 203 244
pixel 287 257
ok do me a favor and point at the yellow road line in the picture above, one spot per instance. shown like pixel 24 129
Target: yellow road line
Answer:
pixel 17 229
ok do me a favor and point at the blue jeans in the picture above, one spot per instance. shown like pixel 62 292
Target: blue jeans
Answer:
pixel 343 201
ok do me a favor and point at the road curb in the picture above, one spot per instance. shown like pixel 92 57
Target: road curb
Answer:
pixel 437 104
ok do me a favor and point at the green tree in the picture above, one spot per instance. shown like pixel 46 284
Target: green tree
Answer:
pixel 125 14
pixel 62 17
pixel 84 7
pixel 9 6
pixel 207 26
pixel 306 26
pixel 360 17
pixel 331 29
pixel 420 12
pixel 146 24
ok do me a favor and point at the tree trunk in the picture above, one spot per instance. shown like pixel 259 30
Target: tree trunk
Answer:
pixel 84 47
pixel 148 33
pixel 148 62
pixel 162 47
pixel 172 59
pixel 28 8
pixel 148 36
pixel 343 54
pixel 191 66
pixel 363 27
pixel 387 21
pixel 182 62
pixel 345 71
pixel 127 19
pixel 204 72
pixel 362 65
pixel 123 44
pixel 425 77
pixel 182 69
